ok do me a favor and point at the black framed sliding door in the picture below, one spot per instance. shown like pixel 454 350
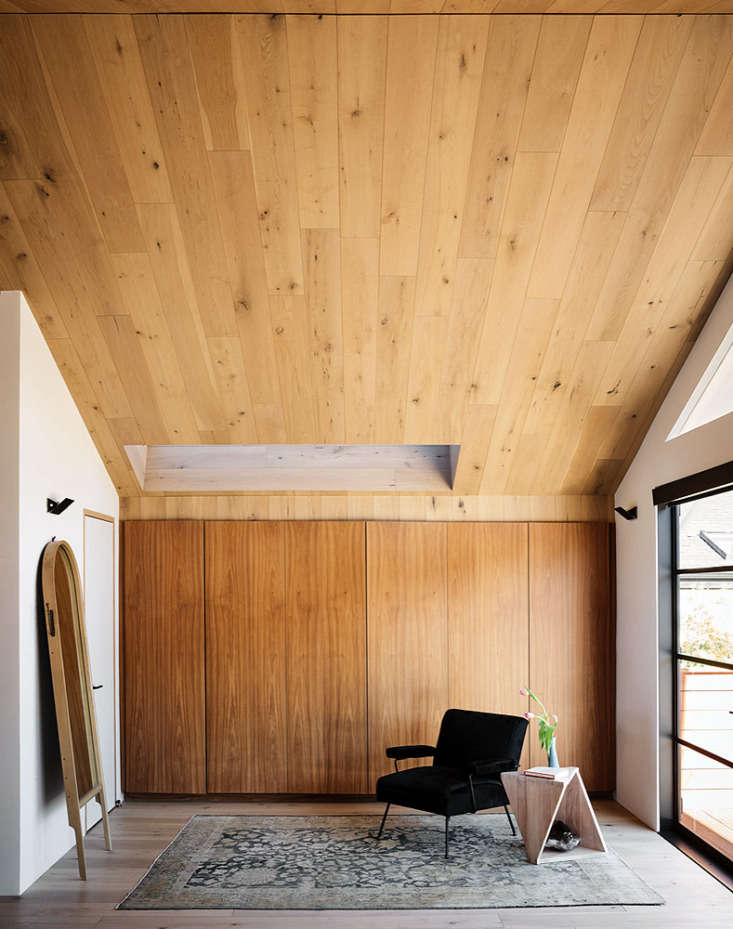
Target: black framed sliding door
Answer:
pixel 699 602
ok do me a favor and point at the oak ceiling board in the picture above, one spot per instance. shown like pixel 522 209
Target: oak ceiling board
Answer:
pixel 499 232
pixel 370 506
pixel 367 6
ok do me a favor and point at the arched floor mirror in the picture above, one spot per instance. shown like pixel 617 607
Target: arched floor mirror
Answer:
pixel 72 690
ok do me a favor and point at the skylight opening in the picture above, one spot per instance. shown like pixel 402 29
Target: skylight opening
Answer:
pixel 294 468
pixel 713 396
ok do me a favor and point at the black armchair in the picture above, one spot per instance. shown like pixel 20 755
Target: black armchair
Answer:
pixel 465 777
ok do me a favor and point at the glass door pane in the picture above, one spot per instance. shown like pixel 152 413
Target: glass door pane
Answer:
pixel 706 532
pixel 705 608
pixel 706 799
pixel 705 703
pixel 704 680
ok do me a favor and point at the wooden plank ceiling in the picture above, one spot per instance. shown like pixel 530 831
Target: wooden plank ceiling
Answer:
pixel 367 6
pixel 502 232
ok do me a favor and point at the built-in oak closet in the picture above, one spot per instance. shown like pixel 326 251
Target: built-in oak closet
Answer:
pixel 283 657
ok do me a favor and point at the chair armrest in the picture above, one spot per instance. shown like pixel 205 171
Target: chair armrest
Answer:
pixel 400 752
pixel 493 766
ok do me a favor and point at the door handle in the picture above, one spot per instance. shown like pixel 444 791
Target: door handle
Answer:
pixel 97 686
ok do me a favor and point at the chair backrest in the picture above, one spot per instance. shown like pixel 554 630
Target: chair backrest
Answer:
pixel 467 736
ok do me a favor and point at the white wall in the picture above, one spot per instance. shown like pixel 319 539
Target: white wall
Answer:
pixel 656 462
pixel 56 458
pixel 9 630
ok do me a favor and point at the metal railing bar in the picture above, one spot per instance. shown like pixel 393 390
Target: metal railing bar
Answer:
pixel 703 751
pixel 725 665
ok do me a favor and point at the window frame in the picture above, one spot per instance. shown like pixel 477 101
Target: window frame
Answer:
pixel 670 657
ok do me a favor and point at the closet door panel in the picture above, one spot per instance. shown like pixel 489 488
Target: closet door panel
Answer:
pixel 572 648
pixel 326 657
pixel 408 636
pixel 245 657
pixel 488 618
pixel 163 651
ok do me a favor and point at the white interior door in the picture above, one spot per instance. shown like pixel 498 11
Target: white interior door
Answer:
pixel 99 600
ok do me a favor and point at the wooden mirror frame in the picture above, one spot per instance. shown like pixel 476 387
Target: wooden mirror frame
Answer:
pixel 76 716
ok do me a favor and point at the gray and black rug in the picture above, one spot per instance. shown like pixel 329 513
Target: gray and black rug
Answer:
pixel 333 863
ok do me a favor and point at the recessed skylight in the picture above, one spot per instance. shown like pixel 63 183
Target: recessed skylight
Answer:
pixel 308 468
pixel 713 396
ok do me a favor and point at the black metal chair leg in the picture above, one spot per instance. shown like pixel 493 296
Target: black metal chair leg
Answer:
pixel 381 826
pixel 508 816
pixel 447 820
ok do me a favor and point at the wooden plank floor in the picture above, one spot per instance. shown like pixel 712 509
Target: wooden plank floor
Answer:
pixel 142 829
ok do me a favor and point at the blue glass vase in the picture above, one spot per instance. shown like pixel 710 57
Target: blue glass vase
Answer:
pixel 552 755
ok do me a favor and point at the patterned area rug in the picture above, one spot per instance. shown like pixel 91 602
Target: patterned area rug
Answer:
pixel 334 863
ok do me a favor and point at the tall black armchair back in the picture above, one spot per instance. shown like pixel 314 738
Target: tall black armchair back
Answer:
pixel 467 736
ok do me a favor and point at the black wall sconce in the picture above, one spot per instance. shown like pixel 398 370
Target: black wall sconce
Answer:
pixel 627 514
pixel 56 507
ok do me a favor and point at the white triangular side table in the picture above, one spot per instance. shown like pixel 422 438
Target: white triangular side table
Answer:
pixel 537 802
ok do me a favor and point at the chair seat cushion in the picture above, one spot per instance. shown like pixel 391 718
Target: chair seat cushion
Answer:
pixel 439 790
